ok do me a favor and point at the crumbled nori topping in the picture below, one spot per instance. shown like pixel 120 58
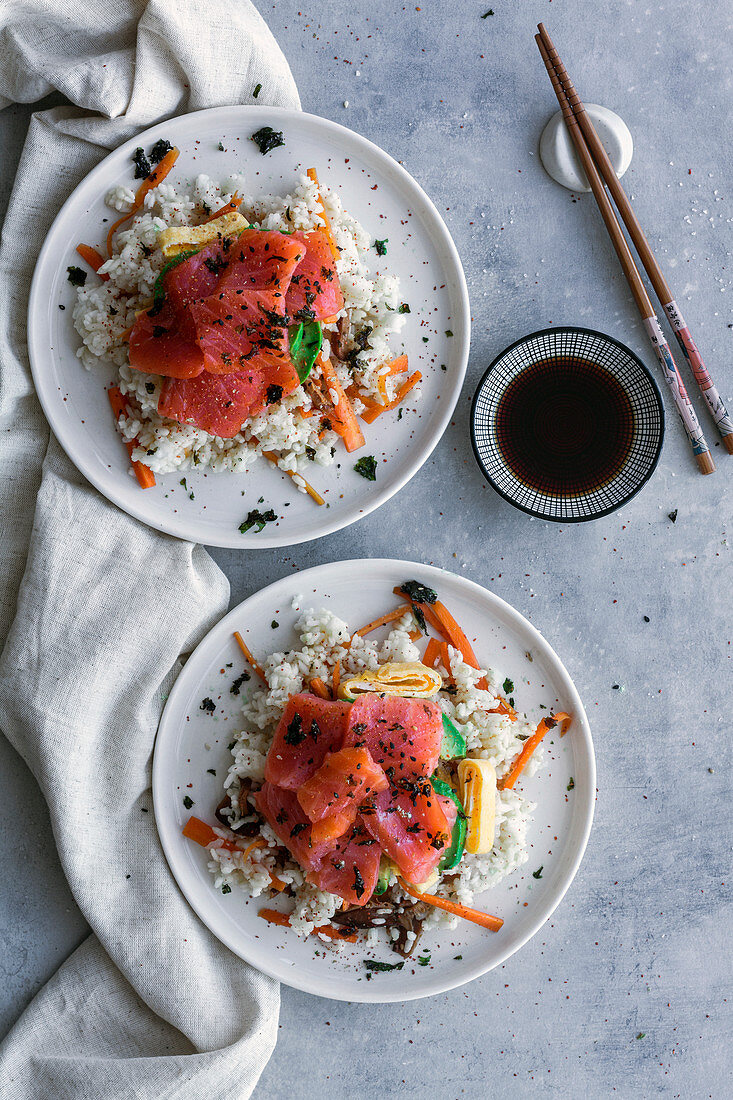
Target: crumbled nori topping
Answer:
pixel 420 618
pixel 226 888
pixel 237 685
pixel 142 164
pixel 274 624
pixel 274 393
pixel 672 516
pixel 295 734
pixel 150 387
pixel 298 828
pixel 208 705
pixel 256 92
pixel 381 246
pixel 159 150
pixel 257 519
pixel 188 802
pixel 358 882
pixel 420 593
pixel 266 139
pixel 375 964
pixel 508 686
pixel 76 276
pixel 367 467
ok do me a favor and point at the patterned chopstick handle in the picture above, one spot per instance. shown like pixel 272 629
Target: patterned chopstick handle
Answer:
pixel 677 386
pixel 692 355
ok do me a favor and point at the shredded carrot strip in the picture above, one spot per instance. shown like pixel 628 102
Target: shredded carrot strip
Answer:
pixel 548 723
pixel 336 678
pixel 484 919
pixel 415 635
pixel 342 417
pixel 432 652
pixel 312 493
pixel 273 916
pixel 258 842
pixel 144 475
pixel 371 414
pixel 277 884
pixel 398 365
pixel 390 617
pixel 503 707
pixel 234 203
pixel 439 617
pixel 319 688
pixel 313 175
pixel 248 657
pixel 93 258
pixel 197 830
pixel 157 176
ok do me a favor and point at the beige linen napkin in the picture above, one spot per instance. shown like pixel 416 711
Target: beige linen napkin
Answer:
pixel 96 609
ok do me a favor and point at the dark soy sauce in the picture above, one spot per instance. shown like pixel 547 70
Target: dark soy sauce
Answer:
pixel 564 426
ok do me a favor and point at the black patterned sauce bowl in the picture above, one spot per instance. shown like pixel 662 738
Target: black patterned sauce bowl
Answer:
pixel 567 424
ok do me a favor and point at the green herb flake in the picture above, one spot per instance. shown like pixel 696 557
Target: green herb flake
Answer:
pixel 538 872
pixel 256 92
pixel 183 483
pixel 424 960
pixel 381 246
pixel 159 150
pixel 508 686
pixel 571 784
pixel 641 1035
pixel 374 964
pixel 226 888
pixel 266 139
pixel 257 519
pixel 404 308
pixel 188 802
pixel 399 414
pixel 220 147
pixel 274 624
pixel 458 957
pixel 449 332
pixel 425 339
pixel 420 593
pixel 76 276
pixel 142 164
pixel 367 467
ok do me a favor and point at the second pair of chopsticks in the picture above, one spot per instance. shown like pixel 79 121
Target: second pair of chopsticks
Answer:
pixel 593 157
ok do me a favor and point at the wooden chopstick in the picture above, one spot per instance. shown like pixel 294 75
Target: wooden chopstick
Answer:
pixel 662 350
pixel 656 276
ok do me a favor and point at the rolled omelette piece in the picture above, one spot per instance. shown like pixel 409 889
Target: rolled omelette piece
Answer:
pixel 408 679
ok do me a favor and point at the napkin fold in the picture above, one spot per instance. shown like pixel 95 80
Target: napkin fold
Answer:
pixel 96 610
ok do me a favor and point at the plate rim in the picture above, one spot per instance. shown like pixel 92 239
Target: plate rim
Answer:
pixel 182 529
pixel 368 993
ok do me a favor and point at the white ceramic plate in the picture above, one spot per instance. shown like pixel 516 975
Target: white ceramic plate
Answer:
pixel 387 201
pixel 190 742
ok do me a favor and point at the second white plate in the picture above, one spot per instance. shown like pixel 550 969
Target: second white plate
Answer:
pixel 192 743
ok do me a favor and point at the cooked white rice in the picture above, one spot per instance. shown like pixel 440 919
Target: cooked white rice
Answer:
pixel 104 311
pixel 323 639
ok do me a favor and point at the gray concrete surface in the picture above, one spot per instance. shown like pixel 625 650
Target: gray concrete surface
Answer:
pixel 625 991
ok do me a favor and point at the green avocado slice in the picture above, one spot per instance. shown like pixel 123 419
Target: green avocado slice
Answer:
pixel 305 343
pixel 453 743
pixel 458 838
